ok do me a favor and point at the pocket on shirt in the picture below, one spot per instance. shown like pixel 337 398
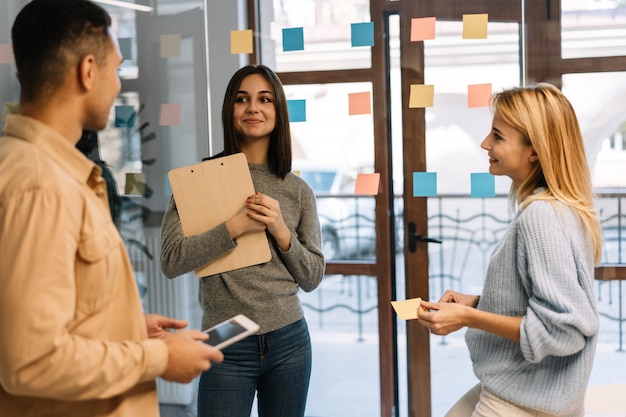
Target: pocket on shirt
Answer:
pixel 99 259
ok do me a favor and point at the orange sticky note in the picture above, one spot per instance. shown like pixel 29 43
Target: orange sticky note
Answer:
pixel 170 114
pixel 475 26
pixel 422 28
pixel 241 41
pixel 170 46
pixel 359 103
pixel 367 184
pixel 421 95
pixel 478 95
pixel 6 53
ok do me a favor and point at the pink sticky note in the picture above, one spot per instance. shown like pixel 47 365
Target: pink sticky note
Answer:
pixel 422 28
pixel 367 184
pixel 6 53
pixel 479 95
pixel 170 114
pixel 359 103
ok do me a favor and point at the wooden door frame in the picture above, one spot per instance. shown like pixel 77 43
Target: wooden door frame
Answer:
pixel 383 267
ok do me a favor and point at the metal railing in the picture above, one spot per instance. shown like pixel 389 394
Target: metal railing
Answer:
pixel 469 228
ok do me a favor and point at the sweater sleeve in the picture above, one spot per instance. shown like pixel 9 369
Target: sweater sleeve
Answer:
pixel 304 259
pixel 561 312
pixel 181 254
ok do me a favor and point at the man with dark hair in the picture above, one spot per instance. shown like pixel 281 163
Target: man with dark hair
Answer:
pixel 74 340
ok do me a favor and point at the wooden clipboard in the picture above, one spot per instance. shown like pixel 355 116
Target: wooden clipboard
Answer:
pixel 210 193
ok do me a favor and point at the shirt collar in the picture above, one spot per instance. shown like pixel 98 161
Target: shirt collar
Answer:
pixel 51 143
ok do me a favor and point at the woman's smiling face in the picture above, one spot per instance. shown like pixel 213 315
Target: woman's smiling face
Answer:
pixel 508 152
pixel 254 110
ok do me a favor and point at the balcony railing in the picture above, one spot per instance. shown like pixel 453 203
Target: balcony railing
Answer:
pixel 469 228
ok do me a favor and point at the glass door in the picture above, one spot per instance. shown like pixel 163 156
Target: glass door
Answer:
pixel 446 59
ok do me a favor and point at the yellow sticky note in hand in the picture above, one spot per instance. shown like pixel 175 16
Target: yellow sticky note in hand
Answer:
pixel 407 309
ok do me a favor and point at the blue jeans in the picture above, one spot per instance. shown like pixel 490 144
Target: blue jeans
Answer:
pixel 276 365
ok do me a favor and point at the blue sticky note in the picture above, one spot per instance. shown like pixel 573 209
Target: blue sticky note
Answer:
pixel 297 110
pixel 424 184
pixel 126 48
pixel 293 39
pixel 363 34
pixel 483 184
pixel 124 116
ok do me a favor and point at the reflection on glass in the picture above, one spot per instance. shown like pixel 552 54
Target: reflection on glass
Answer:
pixel 593 28
pixel 598 99
pixel 327 34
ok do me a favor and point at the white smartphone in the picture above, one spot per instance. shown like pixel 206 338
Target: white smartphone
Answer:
pixel 230 331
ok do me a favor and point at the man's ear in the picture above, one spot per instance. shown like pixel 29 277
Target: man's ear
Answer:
pixel 87 72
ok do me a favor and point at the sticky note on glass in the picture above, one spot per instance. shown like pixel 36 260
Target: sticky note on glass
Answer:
pixel 424 184
pixel 362 34
pixel 126 47
pixel 407 309
pixel 475 26
pixel 422 28
pixel 241 41
pixel 421 95
pixel 297 110
pixel 6 53
pixel 124 116
pixel 135 183
pixel 478 95
pixel 293 39
pixel 9 107
pixel 170 46
pixel 367 184
pixel 170 114
pixel 483 184
pixel 359 103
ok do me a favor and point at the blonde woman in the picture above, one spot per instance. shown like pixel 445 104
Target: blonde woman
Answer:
pixel 532 332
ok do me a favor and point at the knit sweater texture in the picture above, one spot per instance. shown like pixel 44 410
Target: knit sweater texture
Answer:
pixel 542 270
pixel 266 293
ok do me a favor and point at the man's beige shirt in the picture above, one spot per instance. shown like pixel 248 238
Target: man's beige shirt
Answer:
pixel 73 339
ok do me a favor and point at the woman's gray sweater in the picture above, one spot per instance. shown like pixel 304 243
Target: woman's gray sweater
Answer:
pixel 266 293
pixel 542 270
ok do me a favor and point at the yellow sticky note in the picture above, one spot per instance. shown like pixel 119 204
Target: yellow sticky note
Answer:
pixel 359 103
pixel 170 46
pixel 10 107
pixel 367 184
pixel 421 95
pixel 135 183
pixel 475 26
pixel 479 95
pixel 407 309
pixel 422 28
pixel 241 41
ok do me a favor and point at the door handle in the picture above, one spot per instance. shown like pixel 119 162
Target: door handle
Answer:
pixel 414 238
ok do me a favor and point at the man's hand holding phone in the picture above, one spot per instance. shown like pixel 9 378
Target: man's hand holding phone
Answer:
pixel 187 358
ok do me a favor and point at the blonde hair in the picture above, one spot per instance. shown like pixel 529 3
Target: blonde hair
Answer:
pixel 547 121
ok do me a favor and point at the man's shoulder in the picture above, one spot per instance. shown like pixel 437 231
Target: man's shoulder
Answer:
pixel 24 166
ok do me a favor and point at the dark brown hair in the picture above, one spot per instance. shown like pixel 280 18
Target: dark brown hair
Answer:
pixel 51 36
pixel 279 153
